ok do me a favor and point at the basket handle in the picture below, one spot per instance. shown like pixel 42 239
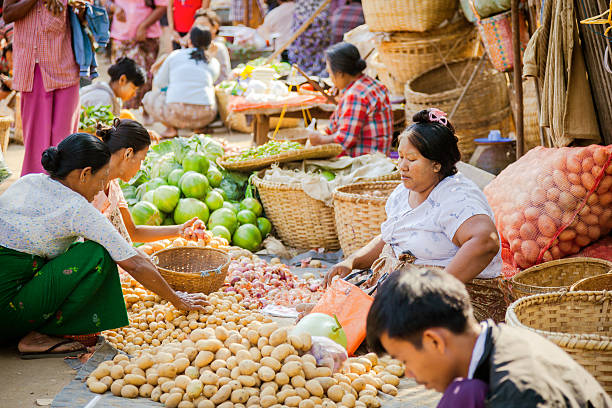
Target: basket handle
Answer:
pixel 207 273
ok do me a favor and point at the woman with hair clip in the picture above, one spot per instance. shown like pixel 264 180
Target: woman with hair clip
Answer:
pixel 188 76
pixel 128 142
pixel 435 217
pixel 363 120
pixel 52 284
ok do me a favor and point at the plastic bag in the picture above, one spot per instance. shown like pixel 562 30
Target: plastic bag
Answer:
pixel 5 172
pixel 552 202
pixel 328 353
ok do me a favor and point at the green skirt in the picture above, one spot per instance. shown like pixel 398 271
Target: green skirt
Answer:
pixel 78 292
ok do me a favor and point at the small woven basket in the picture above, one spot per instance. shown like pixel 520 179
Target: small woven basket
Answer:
pixel 359 214
pixel 193 269
pixel 407 15
pixel 556 275
pixel 599 282
pixel 406 55
pixel 5 131
pixel 578 322
pixel 298 134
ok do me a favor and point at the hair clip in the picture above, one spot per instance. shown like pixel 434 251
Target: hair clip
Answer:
pixel 436 115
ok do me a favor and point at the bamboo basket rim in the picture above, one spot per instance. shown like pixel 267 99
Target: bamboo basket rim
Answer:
pixel 550 264
pixel 579 341
pixel 340 193
pixel 191 274
pixel 458 28
pixel 576 286
pixel 325 151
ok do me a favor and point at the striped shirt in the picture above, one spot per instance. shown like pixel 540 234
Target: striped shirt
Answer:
pixel 44 39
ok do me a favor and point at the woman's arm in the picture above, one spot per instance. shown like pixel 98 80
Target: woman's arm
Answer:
pixel 141 269
pixel 16 9
pixel 362 259
pixel 156 15
pixel 318 138
pixel 147 233
pixel 479 243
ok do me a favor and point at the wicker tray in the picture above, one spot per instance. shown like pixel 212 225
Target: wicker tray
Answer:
pixel 556 275
pixel 599 282
pixel 407 15
pixel 298 134
pixel 326 151
pixel 192 269
pixel 578 322
pixel 359 216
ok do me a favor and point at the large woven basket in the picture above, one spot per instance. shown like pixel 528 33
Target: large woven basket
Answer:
pixel 407 15
pixel 359 214
pixel 484 106
pixel 407 55
pixel 5 131
pixel 578 322
pixel 556 275
pixel 193 269
pixel 599 282
pixel 395 86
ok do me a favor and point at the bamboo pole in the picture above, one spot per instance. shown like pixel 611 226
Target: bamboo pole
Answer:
pixel 518 79
pixel 300 30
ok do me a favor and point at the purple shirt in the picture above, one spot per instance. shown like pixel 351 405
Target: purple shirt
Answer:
pixel 464 393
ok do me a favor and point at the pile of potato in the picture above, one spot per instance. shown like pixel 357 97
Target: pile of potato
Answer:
pixel 231 357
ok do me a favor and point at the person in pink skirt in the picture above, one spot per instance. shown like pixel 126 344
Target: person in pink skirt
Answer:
pixel 46 74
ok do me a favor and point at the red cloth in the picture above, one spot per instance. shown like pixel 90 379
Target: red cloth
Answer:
pixel 239 103
pixel 363 121
pixel 184 14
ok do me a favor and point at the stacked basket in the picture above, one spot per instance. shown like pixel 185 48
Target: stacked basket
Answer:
pixel 419 36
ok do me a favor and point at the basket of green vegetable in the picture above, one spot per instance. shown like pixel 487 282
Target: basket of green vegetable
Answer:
pixel 260 157
pixel 92 115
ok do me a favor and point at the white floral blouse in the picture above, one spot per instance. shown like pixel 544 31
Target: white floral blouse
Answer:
pixel 110 206
pixel 41 216
pixel 427 231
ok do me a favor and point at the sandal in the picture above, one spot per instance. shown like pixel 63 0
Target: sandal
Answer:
pixel 48 353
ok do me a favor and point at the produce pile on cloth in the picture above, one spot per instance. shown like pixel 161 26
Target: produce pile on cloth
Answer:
pixel 228 356
pixel 552 202
pixel 179 180
pixel 272 148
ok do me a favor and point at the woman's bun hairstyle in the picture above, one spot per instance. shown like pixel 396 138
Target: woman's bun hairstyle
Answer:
pixel 50 159
pixel 124 134
pixel 77 151
pixel 344 57
pixel 434 137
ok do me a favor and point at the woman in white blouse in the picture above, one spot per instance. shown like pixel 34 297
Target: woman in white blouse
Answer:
pixel 435 217
pixel 51 285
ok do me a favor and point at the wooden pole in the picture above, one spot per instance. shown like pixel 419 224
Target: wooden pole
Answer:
pixel 518 78
pixel 300 30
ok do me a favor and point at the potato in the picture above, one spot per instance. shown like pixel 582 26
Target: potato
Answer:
pixel 307 403
pixel 358 384
pixel 155 394
pixel 235 348
pixel 391 379
pixel 357 368
pixel 292 368
pixel 298 381
pixel 348 400
pixel 186 404
pixel 268 400
pixel 285 393
pixel 223 354
pixel 182 381
pixel 235 373
pixel 341 378
pixel 146 390
pixel 396 370
pixel 209 378
pixel 173 400
pixel 267 329
pixel 248 380
pixel 222 395
pixel 212 345
pixel 108 380
pixel 209 390
pixel 253 401
pixel 278 337
pixel 326 382
pixel 217 364
pixel 282 351
pixel 116 372
pixel 116 386
pixel 282 378
pixel 310 370
pixel 328 404
pixel 167 370
pixel 335 393
pixel 98 387
pixel 206 404
pixel 293 401
pixel 145 361
pixel 267 350
pixel 100 372
pixel 134 379
pixel 227 404
pixel 191 352
pixel 203 358
pixel 255 354
pixel 306 341
pixel 263 341
pixel 247 367
pixel 163 357
pixel 223 372
pixel 323 372
pixel 123 357
pixel 389 389
pixel 314 387
pixel 167 386
pixel 266 373
pixel 129 391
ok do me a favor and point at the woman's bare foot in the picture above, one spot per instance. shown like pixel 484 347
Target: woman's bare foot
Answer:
pixel 170 132
pixel 35 342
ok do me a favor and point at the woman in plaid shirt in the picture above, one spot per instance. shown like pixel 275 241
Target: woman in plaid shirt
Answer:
pixel 363 121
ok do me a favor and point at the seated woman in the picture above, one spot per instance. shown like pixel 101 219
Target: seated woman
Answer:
pixel 125 78
pixel 188 75
pixel 436 217
pixel 51 284
pixel 218 49
pixel 128 142
pixel 363 120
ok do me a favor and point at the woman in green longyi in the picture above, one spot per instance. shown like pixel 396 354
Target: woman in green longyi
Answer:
pixel 50 284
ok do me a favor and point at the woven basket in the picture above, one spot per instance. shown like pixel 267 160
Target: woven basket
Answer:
pixel 556 275
pixel 485 105
pixel 395 87
pixel 599 282
pixel 407 55
pixel 5 132
pixel 578 322
pixel 238 121
pixel 407 15
pixel 192 269
pixel 326 151
pixel 299 135
pixel 358 215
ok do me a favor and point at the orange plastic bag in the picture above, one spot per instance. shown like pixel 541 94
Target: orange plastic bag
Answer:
pixel 552 202
pixel 351 306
